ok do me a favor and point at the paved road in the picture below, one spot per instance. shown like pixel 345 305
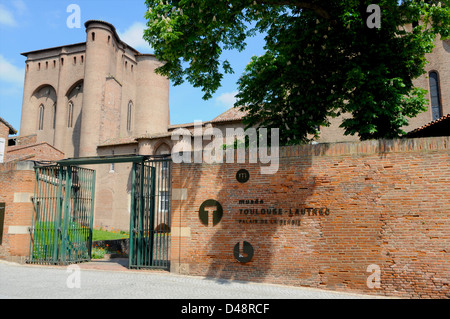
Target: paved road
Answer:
pixel 42 282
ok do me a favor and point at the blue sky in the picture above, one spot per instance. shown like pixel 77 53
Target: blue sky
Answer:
pixel 28 25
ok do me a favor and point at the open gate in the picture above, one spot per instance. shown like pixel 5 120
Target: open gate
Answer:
pixel 63 205
pixel 64 210
pixel 150 214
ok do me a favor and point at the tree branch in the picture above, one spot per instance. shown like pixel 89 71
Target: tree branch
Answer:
pixel 299 4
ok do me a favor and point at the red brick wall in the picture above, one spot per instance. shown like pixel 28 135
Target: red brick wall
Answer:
pixel 15 186
pixel 4 132
pixel 26 140
pixel 384 203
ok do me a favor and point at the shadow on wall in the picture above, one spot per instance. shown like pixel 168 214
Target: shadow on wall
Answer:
pixel 76 136
pixel 446 45
pixel 258 235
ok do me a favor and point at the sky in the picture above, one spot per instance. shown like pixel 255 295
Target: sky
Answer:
pixel 28 25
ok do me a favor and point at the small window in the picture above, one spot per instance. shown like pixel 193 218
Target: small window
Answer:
pixel 435 95
pixel 164 201
pixel 41 118
pixel 112 167
pixel 93 36
pixel 46 65
pixel 54 116
pixel 74 60
pixel 82 59
pixel 126 65
pixel 129 115
pixel 109 38
pixel 132 67
pixel 62 61
pixel 39 66
pixel 54 63
pixel 70 114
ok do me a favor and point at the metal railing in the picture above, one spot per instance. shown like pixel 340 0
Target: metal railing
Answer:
pixel 62 215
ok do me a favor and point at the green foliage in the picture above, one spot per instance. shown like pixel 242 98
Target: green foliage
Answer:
pixel 321 59
pixel 98 253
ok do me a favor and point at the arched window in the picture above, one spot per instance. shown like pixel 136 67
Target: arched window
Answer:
pixel 93 36
pixel 70 114
pixel 435 95
pixel 54 116
pixel 129 115
pixel 41 117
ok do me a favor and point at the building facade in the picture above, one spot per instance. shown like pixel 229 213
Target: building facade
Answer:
pixel 80 95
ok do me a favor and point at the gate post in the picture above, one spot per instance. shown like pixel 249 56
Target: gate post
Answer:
pixel 92 213
pixel 132 213
pixel 141 214
pixel 59 204
pixel 151 213
pixel 65 231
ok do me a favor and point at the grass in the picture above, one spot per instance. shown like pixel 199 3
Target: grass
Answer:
pixel 44 232
pixel 101 234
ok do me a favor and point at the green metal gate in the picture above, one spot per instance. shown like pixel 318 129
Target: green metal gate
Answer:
pixel 63 205
pixel 150 214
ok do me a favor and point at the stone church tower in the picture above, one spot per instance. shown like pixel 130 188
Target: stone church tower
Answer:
pixel 79 96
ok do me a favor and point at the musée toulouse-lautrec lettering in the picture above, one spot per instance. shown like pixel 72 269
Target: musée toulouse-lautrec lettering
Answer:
pixel 264 213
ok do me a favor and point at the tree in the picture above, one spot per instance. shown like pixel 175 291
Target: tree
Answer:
pixel 322 59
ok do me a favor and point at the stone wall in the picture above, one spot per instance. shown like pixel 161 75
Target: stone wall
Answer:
pixel 16 190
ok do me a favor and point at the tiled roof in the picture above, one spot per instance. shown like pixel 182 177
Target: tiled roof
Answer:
pixel 119 141
pixel 233 114
pixel 439 127
pixel 12 130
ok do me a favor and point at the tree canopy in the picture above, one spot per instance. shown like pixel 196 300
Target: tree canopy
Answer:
pixel 322 59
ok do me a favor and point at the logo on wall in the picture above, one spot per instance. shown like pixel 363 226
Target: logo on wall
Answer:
pixel 242 176
pixel 247 252
pixel 208 206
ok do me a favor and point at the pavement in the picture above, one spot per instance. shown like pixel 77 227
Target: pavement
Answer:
pixel 111 279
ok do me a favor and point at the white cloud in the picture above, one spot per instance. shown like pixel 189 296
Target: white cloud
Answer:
pixel 226 100
pixel 6 17
pixel 10 73
pixel 20 6
pixel 133 37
